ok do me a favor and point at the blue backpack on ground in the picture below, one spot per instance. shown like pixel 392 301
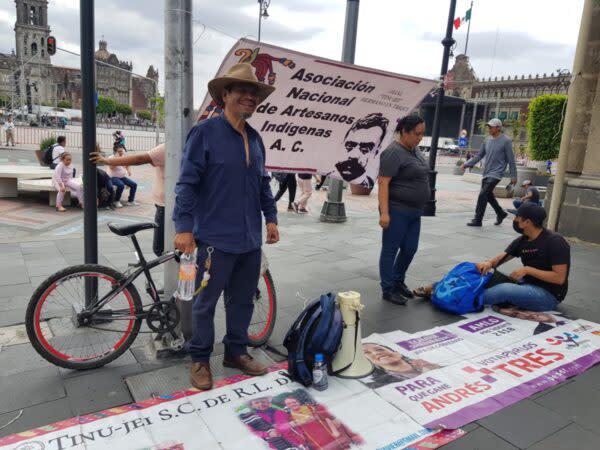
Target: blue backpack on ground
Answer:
pixel 318 329
pixel 461 290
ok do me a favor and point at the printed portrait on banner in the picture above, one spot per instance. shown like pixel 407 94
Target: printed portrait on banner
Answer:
pixel 391 365
pixel 293 420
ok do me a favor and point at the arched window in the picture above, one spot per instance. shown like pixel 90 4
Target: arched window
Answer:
pixel 33 49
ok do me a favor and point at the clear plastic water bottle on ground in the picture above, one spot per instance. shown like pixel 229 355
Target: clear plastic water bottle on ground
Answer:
pixel 187 276
pixel 320 382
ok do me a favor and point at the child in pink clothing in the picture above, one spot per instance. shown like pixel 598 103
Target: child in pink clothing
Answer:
pixel 63 179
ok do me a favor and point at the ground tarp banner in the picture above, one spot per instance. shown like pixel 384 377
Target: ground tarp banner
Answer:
pixel 268 412
pixel 325 116
pixel 445 377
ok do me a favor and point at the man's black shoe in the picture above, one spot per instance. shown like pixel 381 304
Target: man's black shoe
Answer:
pixel 394 297
pixel 500 218
pixel 404 291
pixel 473 223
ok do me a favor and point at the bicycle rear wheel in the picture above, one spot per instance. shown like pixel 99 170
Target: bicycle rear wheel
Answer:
pixel 55 318
pixel 265 311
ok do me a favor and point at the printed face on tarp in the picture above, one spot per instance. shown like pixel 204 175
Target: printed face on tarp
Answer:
pixel 324 117
pixel 293 420
pixel 390 365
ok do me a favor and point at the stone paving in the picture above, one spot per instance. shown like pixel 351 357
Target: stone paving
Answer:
pixel 312 258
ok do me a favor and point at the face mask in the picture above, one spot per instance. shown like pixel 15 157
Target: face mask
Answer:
pixel 517 228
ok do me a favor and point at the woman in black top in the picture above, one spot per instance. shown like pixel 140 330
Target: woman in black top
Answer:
pixel 403 193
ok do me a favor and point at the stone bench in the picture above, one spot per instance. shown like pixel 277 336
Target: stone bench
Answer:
pixel 11 173
pixel 45 186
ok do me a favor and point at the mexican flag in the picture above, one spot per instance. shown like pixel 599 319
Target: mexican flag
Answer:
pixel 461 20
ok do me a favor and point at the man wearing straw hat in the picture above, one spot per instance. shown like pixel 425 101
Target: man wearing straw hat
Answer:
pixel 222 188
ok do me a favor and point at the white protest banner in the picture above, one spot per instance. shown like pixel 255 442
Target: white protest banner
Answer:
pixel 268 412
pixel 438 345
pixel 510 323
pixel 325 116
pixel 458 394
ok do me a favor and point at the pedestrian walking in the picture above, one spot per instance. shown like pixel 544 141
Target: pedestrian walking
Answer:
pixel 287 181
pixel 222 189
pixel 305 183
pixel 64 178
pixel 9 131
pixel 498 154
pixel 403 193
pixel 321 182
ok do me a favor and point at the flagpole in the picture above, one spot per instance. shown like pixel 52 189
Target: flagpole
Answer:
pixel 469 28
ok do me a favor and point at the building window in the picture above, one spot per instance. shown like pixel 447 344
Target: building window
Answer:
pixel 492 114
pixel 33 49
pixel 32 16
pixel 514 115
pixel 503 115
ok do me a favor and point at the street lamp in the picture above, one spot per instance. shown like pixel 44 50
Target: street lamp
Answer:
pixel 263 6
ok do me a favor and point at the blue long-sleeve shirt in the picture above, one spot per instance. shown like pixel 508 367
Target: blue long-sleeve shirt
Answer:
pixel 218 197
pixel 498 153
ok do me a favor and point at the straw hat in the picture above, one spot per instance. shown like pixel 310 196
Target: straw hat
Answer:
pixel 238 73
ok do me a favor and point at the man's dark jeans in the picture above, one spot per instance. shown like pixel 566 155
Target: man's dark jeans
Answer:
pixel 486 195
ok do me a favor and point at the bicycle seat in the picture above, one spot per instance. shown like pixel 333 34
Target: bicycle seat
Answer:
pixel 123 229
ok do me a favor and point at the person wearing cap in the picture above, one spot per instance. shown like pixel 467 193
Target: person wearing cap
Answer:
pixel 222 189
pixel 543 281
pixel 498 154
pixel 531 195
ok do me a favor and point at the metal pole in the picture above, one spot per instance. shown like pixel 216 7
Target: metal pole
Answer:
pixel 469 28
pixel 178 120
pixel 88 128
pixel 259 17
pixel 448 42
pixel 334 209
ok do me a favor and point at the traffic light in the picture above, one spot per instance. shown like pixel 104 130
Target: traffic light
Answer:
pixel 51 45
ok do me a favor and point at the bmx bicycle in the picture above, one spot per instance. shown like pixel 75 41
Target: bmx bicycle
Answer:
pixel 73 333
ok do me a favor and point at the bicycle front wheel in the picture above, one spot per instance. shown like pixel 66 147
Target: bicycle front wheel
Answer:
pixel 265 311
pixel 62 333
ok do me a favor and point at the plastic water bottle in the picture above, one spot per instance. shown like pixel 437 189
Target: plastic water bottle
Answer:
pixel 187 276
pixel 320 382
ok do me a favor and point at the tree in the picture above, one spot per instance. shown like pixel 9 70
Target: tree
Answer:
pixel 544 126
pixel 65 104
pixel 106 105
pixel 144 115
pixel 124 109
pixel 158 105
pixel 4 100
pixel 516 128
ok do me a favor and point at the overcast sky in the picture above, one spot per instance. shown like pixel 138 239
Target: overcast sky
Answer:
pixel 511 37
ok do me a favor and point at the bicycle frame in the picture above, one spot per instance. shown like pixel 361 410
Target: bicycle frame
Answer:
pixel 143 267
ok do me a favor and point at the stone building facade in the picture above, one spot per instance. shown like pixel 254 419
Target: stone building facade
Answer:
pixel 471 100
pixel 28 77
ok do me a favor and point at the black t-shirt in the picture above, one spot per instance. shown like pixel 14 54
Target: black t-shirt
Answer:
pixel 409 186
pixel 549 249
pixel 535 194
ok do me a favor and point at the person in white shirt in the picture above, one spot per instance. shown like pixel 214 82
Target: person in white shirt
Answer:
pixel 120 178
pixel 9 130
pixel 58 150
